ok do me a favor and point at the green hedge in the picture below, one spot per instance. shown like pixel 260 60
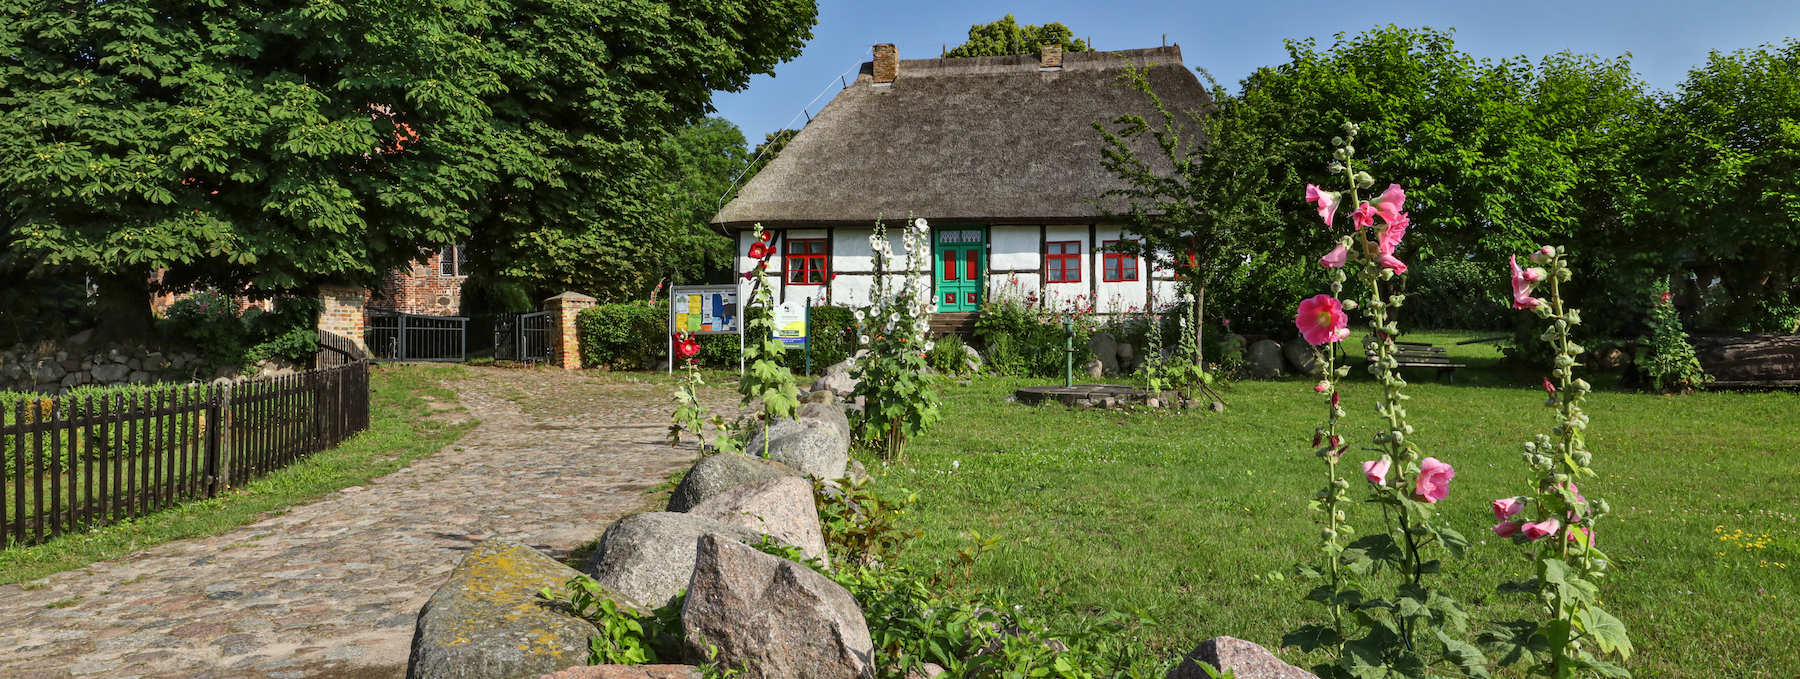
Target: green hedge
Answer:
pixel 622 336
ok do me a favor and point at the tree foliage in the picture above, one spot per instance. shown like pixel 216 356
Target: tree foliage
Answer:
pixel 1720 179
pixel 1006 37
pixel 701 161
pixel 278 144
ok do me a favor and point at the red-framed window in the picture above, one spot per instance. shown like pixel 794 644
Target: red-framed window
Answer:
pixel 1117 266
pixel 806 261
pixel 1062 261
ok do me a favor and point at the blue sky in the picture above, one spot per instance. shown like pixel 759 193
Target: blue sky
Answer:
pixel 1231 39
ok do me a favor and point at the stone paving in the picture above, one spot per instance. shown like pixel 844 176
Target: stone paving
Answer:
pixel 331 589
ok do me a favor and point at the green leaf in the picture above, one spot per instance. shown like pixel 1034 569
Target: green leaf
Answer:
pixel 1371 554
pixel 1518 641
pixel 1313 637
pixel 1529 586
pixel 1607 631
pixel 1306 570
pixel 1463 654
pixel 1453 541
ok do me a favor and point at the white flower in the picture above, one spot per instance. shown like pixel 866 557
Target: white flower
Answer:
pixel 864 338
pixel 874 242
pixel 920 224
pixel 929 344
pixel 894 317
pixel 956 464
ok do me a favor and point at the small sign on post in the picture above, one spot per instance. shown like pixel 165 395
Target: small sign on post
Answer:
pixel 705 310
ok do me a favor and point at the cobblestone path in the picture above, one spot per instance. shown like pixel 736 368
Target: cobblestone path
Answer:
pixel 332 589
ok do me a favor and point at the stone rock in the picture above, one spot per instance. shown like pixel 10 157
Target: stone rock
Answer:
pixel 1125 351
pixel 227 372
pixel 1152 402
pixel 79 340
pixel 716 474
pixel 1218 407
pixel 776 618
pixel 70 365
pixel 811 447
pixel 155 361
pixel 925 671
pixel 135 364
pixel 1264 360
pixel 649 557
pixel 827 413
pixel 1094 369
pixel 1106 350
pixel 487 622
pixel 108 373
pixel 854 470
pixel 1249 660
pixel 782 508
pixel 1303 357
pixel 837 379
pixel 46 371
pixel 627 672
pixel 973 358
pixel 820 396
pixel 139 377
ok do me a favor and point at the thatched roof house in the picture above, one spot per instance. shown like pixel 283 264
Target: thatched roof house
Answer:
pixel 999 153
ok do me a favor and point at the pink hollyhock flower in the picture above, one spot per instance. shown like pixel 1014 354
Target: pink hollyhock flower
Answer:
pixel 1507 529
pixel 1363 216
pixel 1584 533
pixel 1390 236
pixel 1336 258
pixel 1522 298
pixel 1580 500
pixel 1327 202
pixel 1390 262
pixel 1544 255
pixel 1548 387
pixel 1376 470
pixel 1320 388
pixel 1541 528
pixel 1507 507
pixel 1535 275
pixel 1322 320
pixel 1434 480
pixel 1390 202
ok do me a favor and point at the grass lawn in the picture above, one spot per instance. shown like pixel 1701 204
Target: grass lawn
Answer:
pixel 402 428
pixel 1189 514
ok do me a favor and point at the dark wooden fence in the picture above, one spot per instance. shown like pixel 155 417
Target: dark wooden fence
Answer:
pixel 78 462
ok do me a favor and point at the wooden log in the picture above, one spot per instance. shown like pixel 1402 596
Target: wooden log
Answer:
pixel 1750 360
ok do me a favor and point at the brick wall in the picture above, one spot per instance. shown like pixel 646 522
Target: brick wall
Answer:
pixel 343 313
pixel 887 63
pixel 422 289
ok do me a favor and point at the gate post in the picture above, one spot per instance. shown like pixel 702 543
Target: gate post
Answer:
pixel 565 342
pixel 342 313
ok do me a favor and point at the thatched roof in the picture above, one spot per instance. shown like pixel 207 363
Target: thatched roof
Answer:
pixel 983 139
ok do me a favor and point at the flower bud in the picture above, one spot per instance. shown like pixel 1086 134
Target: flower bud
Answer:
pixel 1328 534
pixel 1340 154
pixel 1363 180
pixel 1335 167
pixel 1349 150
pixel 1544 255
pixel 1340 484
pixel 1351 304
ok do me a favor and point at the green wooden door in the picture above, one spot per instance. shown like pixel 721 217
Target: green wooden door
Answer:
pixel 959 252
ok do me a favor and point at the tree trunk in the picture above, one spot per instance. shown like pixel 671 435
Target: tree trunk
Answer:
pixel 123 303
pixel 1750 360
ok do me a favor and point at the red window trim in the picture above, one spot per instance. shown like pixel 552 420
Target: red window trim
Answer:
pixel 809 260
pixel 1113 264
pixel 1064 263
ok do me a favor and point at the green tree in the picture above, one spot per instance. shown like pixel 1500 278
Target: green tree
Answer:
pixel 278 144
pixel 701 161
pixel 1720 183
pixel 1006 36
pixel 766 152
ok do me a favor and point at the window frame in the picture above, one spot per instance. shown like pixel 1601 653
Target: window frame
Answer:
pixel 1113 263
pixel 1065 261
pixel 452 261
pixel 793 263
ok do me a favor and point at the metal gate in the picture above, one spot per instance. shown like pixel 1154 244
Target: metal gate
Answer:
pixel 522 337
pixel 394 336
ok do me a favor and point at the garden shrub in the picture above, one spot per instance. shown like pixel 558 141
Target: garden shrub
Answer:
pixel 719 352
pixel 209 321
pixel 947 356
pixel 1456 294
pixel 623 336
pixel 1026 340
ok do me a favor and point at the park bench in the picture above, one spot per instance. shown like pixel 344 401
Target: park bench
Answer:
pixel 1423 355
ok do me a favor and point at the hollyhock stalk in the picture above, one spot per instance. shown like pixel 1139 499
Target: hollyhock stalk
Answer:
pixel 1561 535
pixel 1400 631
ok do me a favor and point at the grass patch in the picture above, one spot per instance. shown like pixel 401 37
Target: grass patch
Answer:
pixel 1186 515
pixel 401 430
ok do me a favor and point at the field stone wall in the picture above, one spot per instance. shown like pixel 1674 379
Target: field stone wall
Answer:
pixel 53 371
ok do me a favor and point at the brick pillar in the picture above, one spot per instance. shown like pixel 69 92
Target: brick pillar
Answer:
pixel 1050 56
pixel 565 341
pixel 343 313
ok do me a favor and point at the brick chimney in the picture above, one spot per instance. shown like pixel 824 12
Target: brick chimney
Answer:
pixel 1050 56
pixel 887 63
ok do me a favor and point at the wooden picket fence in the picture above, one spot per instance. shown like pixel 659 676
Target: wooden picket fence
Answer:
pixel 78 462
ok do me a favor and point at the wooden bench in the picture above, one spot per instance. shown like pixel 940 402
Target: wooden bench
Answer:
pixel 1423 355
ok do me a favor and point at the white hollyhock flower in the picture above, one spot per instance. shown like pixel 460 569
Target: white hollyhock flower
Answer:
pixel 864 338
pixel 929 344
pixel 920 224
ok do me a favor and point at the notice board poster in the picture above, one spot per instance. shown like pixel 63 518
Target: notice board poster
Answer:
pixel 704 309
pixel 790 323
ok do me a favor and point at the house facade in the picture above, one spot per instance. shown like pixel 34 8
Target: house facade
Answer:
pixel 998 154
pixel 430 286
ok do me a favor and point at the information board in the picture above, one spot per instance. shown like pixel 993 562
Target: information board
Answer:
pixel 790 323
pixel 704 309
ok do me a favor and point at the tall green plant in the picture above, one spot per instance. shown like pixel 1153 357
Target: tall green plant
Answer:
pixel 1667 357
pixel 1571 626
pixel 765 379
pixel 1414 627
pixel 899 401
